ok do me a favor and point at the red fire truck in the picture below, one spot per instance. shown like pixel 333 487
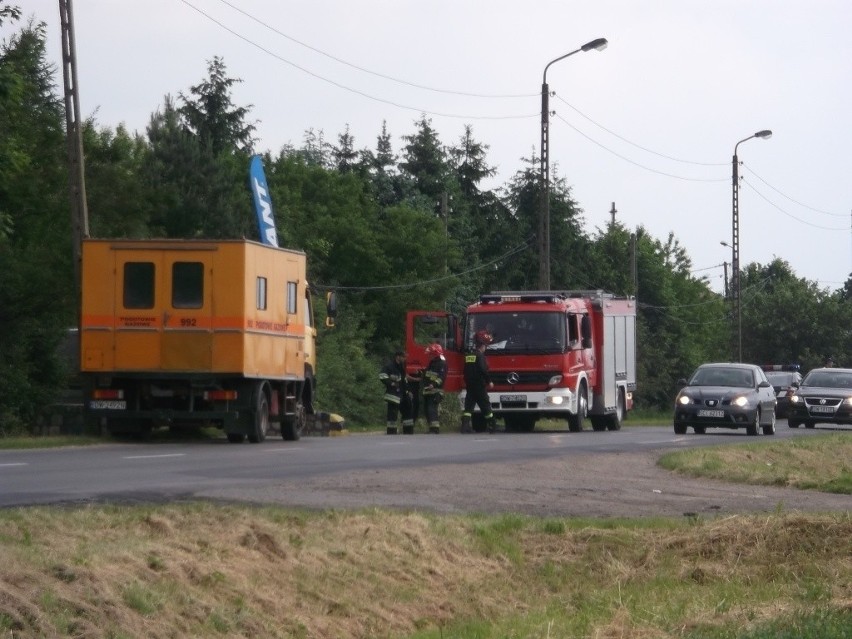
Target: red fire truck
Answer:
pixel 564 355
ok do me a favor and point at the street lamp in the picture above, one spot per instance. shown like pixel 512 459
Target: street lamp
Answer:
pixel 735 245
pixel 544 211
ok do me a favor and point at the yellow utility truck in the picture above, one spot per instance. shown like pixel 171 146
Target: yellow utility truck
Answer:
pixel 189 333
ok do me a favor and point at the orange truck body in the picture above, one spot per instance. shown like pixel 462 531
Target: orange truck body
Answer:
pixel 192 332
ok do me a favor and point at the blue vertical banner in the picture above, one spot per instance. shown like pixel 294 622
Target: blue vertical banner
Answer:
pixel 262 202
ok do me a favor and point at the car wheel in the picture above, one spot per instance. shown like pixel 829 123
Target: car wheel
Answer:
pixel 809 424
pixel 699 430
pixel 753 427
pixel 793 423
pixel 769 429
pixel 680 429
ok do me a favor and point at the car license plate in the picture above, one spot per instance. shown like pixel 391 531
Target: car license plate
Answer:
pixel 822 409
pixel 513 398
pixel 711 413
pixel 108 404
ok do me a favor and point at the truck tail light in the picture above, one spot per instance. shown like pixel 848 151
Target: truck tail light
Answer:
pixel 107 393
pixel 220 395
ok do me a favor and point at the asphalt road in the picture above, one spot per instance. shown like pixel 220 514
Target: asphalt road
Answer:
pixel 544 473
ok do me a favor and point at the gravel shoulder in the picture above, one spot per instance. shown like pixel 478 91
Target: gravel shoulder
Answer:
pixel 610 485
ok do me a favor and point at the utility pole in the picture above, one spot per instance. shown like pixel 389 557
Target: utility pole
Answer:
pixel 74 138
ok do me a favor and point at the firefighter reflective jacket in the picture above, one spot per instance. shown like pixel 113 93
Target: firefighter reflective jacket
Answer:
pixel 434 376
pixel 393 377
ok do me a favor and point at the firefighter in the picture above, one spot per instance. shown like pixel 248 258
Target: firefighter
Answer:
pixel 477 381
pixel 433 385
pixel 397 395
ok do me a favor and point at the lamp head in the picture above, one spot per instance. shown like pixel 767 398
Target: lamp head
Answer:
pixel 765 134
pixel 600 44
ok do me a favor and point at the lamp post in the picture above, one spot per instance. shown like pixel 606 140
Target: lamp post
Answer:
pixel 544 210
pixel 735 244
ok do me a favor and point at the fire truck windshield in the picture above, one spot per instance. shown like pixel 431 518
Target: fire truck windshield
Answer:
pixel 521 332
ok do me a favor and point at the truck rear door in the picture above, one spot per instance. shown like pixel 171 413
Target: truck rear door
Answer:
pixel 163 309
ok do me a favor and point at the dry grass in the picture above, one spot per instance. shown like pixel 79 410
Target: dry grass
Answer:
pixel 192 570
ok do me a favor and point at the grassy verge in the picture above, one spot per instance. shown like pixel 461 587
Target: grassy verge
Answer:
pixel 820 462
pixel 198 569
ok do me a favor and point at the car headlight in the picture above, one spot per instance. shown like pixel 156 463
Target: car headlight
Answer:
pixel 740 401
pixel 683 400
pixel 848 400
pixel 794 399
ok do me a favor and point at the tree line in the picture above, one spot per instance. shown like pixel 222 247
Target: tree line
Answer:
pixel 389 227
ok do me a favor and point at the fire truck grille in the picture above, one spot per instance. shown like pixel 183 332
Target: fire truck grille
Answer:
pixel 517 378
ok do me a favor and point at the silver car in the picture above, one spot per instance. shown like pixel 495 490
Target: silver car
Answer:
pixel 726 396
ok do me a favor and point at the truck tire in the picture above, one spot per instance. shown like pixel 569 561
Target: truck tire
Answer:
pixel 259 415
pixel 577 421
pixel 294 425
pixel 614 420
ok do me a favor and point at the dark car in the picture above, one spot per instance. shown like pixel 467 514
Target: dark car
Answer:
pixel 726 396
pixel 824 396
pixel 784 379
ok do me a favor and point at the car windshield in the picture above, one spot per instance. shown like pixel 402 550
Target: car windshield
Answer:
pixel 716 376
pixel 829 379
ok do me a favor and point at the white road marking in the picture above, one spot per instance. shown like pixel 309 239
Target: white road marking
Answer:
pixel 14 464
pixel 154 456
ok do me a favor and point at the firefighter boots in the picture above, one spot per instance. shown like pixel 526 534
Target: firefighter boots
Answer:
pixel 434 428
pixel 491 424
pixel 408 430
pixel 391 428
pixel 465 427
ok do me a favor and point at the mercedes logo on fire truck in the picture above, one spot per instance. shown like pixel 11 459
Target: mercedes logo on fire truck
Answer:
pixel 513 378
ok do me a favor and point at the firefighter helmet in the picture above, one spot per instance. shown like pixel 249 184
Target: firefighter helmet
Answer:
pixel 436 350
pixel 482 338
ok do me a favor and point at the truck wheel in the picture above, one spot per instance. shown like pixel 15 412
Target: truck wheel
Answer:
pixel 599 422
pixel 614 420
pixel 260 416
pixel 576 422
pixel 294 425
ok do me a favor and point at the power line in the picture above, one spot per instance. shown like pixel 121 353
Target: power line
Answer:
pixel 351 89
pixel 641 166
pixel 798 219
pixel 508 254
pixel 638 146
pixel 365 70
pixel 791 199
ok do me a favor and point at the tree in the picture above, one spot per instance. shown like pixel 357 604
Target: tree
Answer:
pixel 37 299
pixel 211 115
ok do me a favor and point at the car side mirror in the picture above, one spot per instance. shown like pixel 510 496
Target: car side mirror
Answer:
pixel 764 385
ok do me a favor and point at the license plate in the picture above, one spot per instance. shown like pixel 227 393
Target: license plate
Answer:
pixel 822 409
pixel 108 404
pixel 711 413
pixel 513 398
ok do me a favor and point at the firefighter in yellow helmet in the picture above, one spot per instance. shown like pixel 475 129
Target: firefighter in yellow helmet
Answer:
pixel 433 385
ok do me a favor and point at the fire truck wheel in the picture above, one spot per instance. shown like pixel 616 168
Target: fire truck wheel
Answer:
pixel 260 416
pixel 576 422
pixel 614 420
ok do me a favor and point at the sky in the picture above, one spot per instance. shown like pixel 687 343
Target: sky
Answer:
pixel 649 124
